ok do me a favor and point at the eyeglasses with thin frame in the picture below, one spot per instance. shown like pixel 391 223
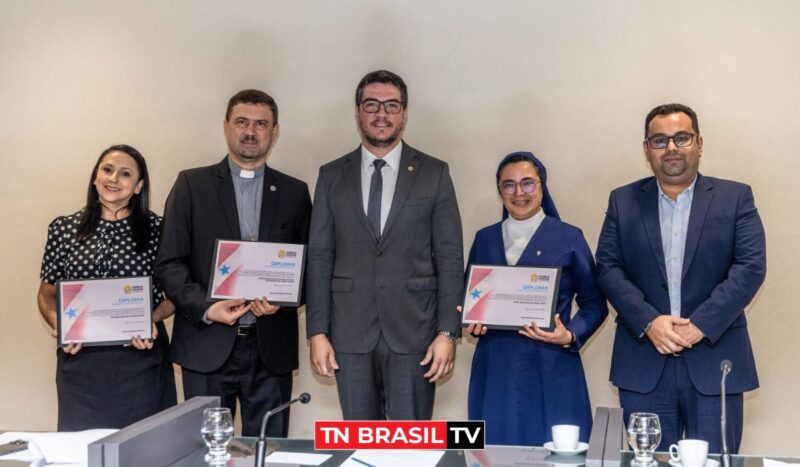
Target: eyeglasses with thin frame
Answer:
pixel 371 106
pixel 681 139
pixel 528 185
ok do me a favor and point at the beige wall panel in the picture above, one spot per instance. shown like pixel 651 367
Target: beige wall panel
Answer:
pixel 571 81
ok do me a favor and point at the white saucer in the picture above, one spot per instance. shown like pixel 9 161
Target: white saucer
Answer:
pixel 709 463
pixel 582 447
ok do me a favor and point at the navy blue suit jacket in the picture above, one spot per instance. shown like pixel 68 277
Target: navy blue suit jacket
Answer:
pixel 723 267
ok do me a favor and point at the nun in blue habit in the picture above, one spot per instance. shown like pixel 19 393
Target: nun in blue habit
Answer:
pixel 524 382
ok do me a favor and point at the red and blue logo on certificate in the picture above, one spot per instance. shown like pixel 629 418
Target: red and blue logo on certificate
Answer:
pixel 480 289
pixel 73 309
pixel 227 269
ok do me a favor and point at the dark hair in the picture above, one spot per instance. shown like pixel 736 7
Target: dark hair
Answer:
pixel 513 160
pixel 668 109
pixel 385 77
pixel 253 96
pixel 139 204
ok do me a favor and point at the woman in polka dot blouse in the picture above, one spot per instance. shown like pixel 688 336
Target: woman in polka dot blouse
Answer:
pixel 114 235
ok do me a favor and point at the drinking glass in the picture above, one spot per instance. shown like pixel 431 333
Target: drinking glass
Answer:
pixel 644 434
pixel 217 431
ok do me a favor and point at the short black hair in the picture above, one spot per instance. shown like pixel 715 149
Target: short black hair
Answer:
pixel 253 96
pixel 668 109
pixel 386 77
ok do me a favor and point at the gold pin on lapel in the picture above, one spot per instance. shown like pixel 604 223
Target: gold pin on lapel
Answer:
pixel 410 168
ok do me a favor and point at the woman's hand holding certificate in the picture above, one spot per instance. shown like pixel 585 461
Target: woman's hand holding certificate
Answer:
pixel 103 312
pixel 560 335
pixel 510 297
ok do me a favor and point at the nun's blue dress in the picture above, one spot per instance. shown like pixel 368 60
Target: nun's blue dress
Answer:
pixel 520 386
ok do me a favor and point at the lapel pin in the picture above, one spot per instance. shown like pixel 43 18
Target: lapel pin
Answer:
pixel 410 168
pixel 538 253
pixel 272 188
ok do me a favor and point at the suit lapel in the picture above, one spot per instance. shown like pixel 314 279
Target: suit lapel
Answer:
pixel 648 207
pixel 406 172
pixel 351 176
pixel 228 197
pixel 269 204
pixel 701 200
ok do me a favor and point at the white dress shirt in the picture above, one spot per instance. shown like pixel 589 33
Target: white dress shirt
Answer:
pixel 388 172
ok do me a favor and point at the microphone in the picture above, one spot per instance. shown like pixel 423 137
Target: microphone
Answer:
pixel 725 366
pixel 261 444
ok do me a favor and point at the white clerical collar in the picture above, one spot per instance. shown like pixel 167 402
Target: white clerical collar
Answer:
pixel 244 173
pixel 392 159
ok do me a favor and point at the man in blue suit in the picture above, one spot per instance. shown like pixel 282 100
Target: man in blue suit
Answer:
pixel 680 256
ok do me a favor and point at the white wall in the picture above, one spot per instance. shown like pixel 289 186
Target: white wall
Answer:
pixel 571 81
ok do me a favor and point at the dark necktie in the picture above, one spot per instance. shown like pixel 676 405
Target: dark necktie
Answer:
pixel 374 204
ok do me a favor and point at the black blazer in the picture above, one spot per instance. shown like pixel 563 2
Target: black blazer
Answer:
pixel 200 209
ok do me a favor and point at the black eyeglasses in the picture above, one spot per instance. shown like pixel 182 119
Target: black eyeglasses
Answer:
pixel 528 185
pixel 372 106
pixel 682 140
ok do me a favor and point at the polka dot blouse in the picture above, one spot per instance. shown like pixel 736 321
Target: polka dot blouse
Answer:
pixel 108 253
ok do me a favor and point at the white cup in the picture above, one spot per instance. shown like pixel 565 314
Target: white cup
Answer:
pixel 689 452
pixel 565 437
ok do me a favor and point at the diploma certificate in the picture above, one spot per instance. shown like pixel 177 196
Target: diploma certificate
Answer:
pixel 104 311
pixel 257 269
pixel 507 297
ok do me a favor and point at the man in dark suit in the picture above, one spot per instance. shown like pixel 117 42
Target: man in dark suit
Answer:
pixel 680 256
pixel 230 348
pixel 385 265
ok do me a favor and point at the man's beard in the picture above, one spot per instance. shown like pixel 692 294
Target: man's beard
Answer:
pixel 675 170
pixel 251 152
pixel 382 142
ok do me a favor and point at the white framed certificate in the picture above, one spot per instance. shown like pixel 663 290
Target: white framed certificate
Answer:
pixel 249 270
pixel 508 297
pixel 104 311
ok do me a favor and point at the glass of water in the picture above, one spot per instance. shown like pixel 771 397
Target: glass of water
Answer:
pixel 644 434
pixel 217 431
